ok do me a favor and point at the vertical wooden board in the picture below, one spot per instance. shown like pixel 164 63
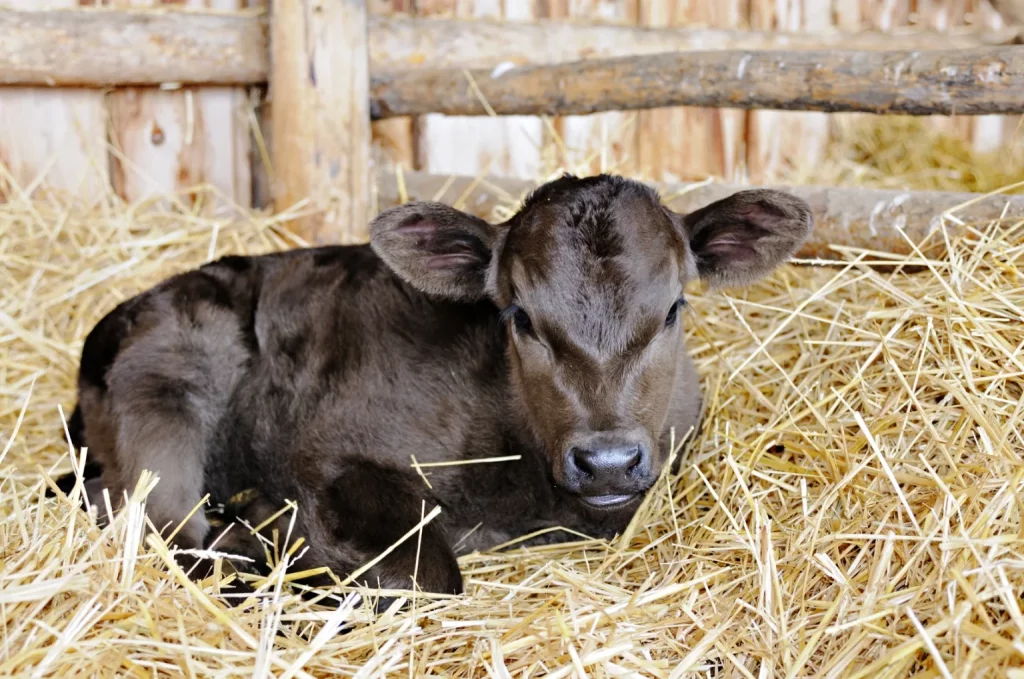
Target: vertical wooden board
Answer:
pixel 684 144
pixel 885 15
pixel 942 15
pixel 601 141
pixel 992 133
pixel 509 146
pixel 257 130
pixel 166 141
pixel 59 135
pixel 778 141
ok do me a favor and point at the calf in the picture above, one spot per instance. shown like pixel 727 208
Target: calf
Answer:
pixel 316 375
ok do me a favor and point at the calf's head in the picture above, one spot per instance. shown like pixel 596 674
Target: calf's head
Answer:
pixel 588 278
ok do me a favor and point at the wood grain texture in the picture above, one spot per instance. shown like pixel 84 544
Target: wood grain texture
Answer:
pixel 100 48
pixel 778 141
pixel 601 141
pixel 320 116
pixel 400 42
pixel 394 140
pixel 844 217
pixel 509 146
pixel 682 144
pixel 52 139
pixel 166 142
pixel 97 48
pixel 965 82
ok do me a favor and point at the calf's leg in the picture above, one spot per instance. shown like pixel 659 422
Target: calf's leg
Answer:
pixel 167 392
pixel 364 510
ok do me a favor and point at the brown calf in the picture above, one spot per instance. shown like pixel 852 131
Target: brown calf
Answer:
pixel 315 375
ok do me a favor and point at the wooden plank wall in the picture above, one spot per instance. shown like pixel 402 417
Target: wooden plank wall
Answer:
pixel 676 144
pixel 56 136
pixel 140 142
pixel 167 140
pixel 466 145
pixel 778 140
pixel 509 146
pixel 690 144
pixel 601 141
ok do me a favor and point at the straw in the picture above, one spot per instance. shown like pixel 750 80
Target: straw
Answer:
pixel 851 506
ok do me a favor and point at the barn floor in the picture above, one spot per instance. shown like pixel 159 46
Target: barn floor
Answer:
pixel 853 507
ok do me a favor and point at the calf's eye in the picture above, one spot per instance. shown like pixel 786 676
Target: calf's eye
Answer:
pixel 673 312
pixel 520 319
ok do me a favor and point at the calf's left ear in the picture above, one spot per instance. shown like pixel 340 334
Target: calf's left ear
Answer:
pixel 739 239
pixel 440 250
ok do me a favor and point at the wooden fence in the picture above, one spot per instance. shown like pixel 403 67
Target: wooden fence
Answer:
pixel 333 68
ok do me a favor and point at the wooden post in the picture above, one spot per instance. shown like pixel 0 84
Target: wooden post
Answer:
pixel 320 118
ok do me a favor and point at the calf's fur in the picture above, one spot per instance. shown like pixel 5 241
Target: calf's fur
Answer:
pixel 316 374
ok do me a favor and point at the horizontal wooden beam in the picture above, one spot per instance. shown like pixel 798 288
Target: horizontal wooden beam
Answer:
pixel 101 48
pixel 869 219
pixel 400 42
pixel 976 81
pixel 104 47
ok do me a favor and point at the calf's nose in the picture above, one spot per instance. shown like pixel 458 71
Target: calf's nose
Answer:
pixel 607 467
pixel 607 462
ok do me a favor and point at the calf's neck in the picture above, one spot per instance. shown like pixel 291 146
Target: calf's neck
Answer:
pixel 316 375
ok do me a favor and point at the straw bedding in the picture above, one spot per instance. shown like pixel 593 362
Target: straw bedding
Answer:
pixel 852 507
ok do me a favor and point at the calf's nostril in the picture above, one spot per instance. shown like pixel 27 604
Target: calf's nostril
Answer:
pixel 583 460
pixel 634 462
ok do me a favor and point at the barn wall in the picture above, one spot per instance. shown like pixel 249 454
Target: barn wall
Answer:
pixel 144 141
pixel 139 142
pixel 681 143
pixel 165 141
pixel 54 137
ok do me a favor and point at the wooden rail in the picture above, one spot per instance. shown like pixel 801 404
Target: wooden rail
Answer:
pixel 974 81
pixel 319 55
pixel 400 42
pixel 101 47
pixel 845 217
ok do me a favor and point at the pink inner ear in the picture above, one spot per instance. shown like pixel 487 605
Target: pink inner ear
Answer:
pixel 420 225
pixel 455 260
pixel 731 246
pixel 729 240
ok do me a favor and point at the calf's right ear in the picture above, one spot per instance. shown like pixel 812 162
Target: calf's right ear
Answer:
pixel 435 248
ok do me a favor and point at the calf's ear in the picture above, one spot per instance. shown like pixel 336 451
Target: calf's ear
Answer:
pixel 435 248
pixel 739 239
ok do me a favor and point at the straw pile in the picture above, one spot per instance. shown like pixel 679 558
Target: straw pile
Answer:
pixel 911 152
pixel 851 509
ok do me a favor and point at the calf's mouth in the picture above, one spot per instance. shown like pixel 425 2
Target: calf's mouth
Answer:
pixel 609 501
